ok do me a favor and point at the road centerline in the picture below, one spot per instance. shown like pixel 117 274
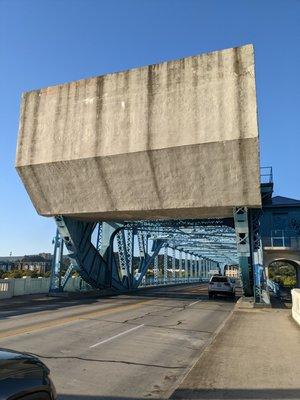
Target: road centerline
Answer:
pixel 69 319
pixel 195 302
pixel 116 336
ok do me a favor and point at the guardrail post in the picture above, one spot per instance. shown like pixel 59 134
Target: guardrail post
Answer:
pixel 173 264
pixel 165 263
pixel 155 270
pixel 180 264
pixel 185 265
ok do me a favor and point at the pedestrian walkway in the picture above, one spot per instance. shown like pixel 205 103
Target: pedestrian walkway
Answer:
pixel 255 356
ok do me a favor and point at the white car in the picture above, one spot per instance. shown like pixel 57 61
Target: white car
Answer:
pixel 221 285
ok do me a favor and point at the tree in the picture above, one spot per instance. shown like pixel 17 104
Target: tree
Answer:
pixel 283 273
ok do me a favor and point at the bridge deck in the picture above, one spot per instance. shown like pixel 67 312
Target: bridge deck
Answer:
pixel 143 343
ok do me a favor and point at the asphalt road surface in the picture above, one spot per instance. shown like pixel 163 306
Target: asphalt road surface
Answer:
pixel 124 347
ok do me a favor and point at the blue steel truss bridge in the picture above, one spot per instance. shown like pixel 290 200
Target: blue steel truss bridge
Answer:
pixel 124 256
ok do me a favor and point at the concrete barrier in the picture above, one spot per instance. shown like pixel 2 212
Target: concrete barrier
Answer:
pixel 6 289
pixel 296 305
pixel 19 287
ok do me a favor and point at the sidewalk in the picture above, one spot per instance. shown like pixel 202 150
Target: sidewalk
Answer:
pixel 255 356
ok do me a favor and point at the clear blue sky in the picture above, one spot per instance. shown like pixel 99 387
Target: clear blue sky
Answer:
pixel 46 42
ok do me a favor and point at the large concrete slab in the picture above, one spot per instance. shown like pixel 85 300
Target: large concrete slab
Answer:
pixel 171 140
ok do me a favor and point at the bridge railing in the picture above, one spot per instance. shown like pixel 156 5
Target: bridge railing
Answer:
pixel 266 175
pixel 22 286
pixel 282 238
pixel 274 287
pixel 151 281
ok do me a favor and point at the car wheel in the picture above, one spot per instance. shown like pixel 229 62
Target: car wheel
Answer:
pixel 210 295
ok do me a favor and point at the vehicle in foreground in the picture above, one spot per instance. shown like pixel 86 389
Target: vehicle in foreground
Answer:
pixel 24 377
pixel 221 285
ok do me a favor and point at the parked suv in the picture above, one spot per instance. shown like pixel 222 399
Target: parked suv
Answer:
pixel 221 285
pixel 24 377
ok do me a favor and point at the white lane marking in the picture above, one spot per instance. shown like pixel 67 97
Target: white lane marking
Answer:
pixel 195 302
pixel 115 336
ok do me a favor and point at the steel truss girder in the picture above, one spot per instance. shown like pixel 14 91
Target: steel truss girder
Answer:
pixel 155 224
pixel 261 294
pixel 207 243
pixel 205 238
pixel 99 236
pixel 165 262
pixel 55 277
pixel 123 254
pixel 84 255
pixel 243 247
pixel 97 264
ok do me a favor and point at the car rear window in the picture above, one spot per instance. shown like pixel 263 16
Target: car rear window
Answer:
pixel 219 279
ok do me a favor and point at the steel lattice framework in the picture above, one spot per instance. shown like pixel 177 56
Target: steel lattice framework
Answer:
pixel 213 239
pixel 173 251
pixel 194 246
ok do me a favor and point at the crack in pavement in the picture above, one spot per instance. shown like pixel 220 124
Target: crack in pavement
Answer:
pixel 172 327
pixel 106 361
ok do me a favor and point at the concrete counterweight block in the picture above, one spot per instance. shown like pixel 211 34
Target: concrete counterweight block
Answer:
pixel 172 140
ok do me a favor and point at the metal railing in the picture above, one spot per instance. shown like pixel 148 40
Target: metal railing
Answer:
pixel 274 287
pixel 282 238
pixel 151 281
pixel 266 175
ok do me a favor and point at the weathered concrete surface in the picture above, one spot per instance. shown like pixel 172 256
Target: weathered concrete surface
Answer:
pixel 172 140
pixel 296 305
pixel 256 356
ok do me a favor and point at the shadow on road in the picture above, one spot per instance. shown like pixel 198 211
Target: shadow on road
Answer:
pixel 235 394
pixel 87 397
pixel 206 394
pixel 34 303
pixel 188 292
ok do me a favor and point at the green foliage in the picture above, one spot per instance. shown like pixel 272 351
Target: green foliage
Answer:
pixel 17 273
pixel 289 281
pixel 283 273
pixel 14 274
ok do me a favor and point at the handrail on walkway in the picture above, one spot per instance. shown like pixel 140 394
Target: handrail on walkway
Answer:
pixel 274 286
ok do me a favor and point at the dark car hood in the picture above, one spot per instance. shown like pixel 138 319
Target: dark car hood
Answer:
pixel 10 355
pixel 11 360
